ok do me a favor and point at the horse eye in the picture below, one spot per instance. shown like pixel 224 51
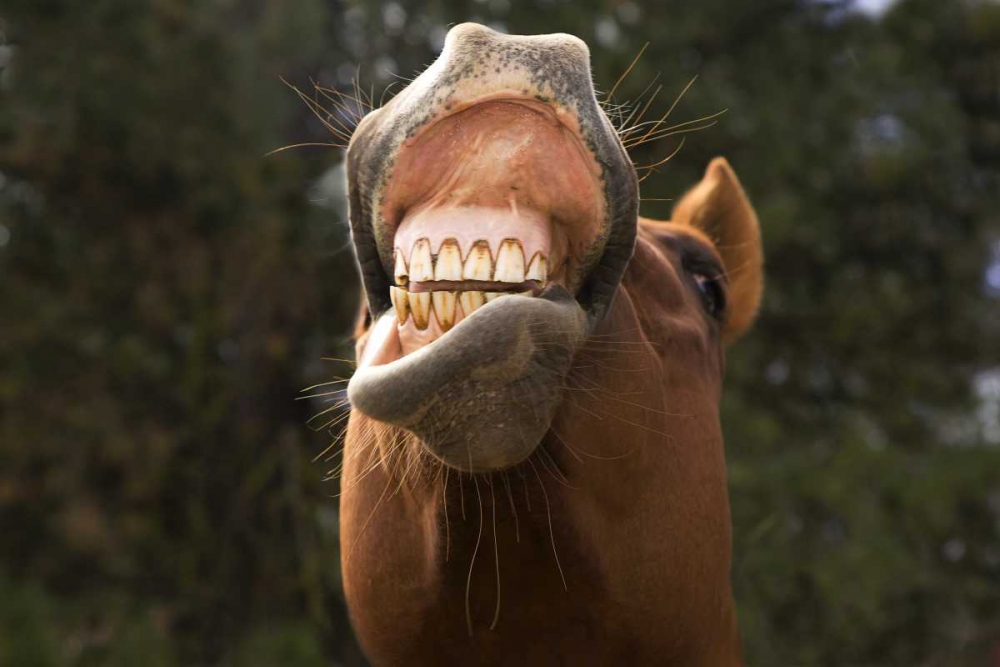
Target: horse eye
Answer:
pixel 712 295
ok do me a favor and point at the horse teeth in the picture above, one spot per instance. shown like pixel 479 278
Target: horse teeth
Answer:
pixel 447 266
pixel 479 263
pixel 442 304
pixel 444 308
pixel 449 261
pixel 400 303
pixel 421 264
pixel 538 269
pixel 471 301
pixel 401 273
pixel 420 306
pixel 510 262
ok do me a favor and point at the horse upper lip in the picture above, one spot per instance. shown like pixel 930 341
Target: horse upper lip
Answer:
pixel 478 65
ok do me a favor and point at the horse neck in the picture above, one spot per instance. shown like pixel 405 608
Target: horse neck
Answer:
pixel 624 504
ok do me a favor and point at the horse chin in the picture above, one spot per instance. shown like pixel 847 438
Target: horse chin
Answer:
pixel 482 396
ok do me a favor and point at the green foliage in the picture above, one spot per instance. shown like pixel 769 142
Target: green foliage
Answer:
pixel 167 290
pixel 289 645
pixel 25 632
pixel 41 629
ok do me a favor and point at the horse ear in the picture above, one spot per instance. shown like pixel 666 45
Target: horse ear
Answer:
pixel 719 208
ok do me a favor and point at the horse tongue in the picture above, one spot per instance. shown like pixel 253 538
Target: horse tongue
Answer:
pixel 483 395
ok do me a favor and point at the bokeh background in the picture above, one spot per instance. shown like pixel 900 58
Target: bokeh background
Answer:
pixel 167 288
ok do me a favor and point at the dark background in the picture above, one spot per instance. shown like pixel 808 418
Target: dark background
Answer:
pixel 167 289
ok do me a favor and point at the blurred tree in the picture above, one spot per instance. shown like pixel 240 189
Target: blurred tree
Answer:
pixel 166 293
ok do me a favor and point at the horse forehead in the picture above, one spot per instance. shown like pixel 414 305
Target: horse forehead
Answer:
pixel 671 236
pixel 656 306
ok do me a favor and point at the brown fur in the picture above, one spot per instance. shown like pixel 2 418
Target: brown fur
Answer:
pixel 611 544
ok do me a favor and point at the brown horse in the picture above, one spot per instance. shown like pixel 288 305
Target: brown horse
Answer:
pixel 534 469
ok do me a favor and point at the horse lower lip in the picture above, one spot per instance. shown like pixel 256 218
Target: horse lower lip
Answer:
pixel 511 359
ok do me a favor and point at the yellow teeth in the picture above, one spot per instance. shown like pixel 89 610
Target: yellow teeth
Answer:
pixel 401 273
pixel 444 308
pixel 538 269
pixel 421 265
pixel 479 263
pixel 449 261
pixel 447 265
pixel 471 301
pixel 400 303
pixel 510 263
pixel 420 306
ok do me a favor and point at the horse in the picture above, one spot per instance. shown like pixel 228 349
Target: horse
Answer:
pixel 534 468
